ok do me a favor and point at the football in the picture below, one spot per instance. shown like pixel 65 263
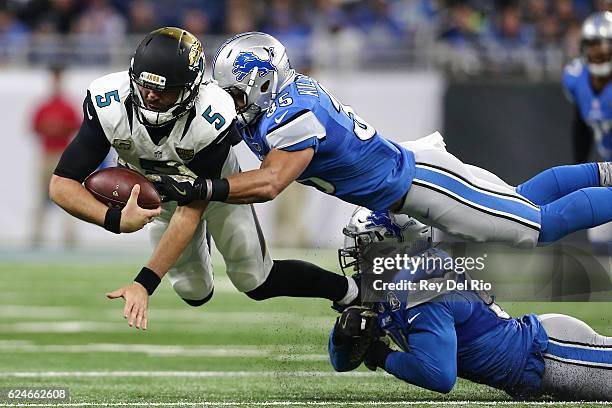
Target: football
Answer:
pixel 113 185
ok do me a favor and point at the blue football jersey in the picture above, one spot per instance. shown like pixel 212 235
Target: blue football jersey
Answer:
pixel 462 326
pixel 351 160
pixel 595 109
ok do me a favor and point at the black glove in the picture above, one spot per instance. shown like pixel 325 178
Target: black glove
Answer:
pixel 356 326
pixel 181 189
pixel 376 355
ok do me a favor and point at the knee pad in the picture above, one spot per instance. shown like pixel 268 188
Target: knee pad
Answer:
pixel 192 290
pixel 200 302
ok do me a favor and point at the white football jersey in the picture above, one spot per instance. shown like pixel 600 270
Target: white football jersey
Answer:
pixel 214 113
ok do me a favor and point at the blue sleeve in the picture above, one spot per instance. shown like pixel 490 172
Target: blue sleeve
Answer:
pixel 339 355
pixel 431 362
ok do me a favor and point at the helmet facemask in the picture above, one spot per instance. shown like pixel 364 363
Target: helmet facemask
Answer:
pixel 153 118
pixel 601 68
pixel 167 59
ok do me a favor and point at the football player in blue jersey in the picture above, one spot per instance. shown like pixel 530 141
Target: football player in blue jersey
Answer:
pixel 301 132
pixel 586 82
pixel 441 335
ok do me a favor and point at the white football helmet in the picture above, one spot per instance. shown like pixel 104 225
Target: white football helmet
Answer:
pixel 366 227
pixel 252 67
pixel 597 28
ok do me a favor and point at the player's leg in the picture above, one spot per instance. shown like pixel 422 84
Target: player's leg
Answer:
pixel 238 236
pixel 192 274
pixel 556 182
pixel 578 360
pixel 571 198
pixel 446 194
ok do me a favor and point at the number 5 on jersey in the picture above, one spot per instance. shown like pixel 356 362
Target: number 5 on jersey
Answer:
pixel 213 118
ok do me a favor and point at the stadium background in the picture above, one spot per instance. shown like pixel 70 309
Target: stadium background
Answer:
pixel 485 73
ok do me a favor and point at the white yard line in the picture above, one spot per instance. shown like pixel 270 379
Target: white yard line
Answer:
pixel 303 403
pixel 183 374
pixel 281 352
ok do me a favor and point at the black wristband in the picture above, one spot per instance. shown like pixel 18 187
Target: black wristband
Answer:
pixel 149 279
pixel 112 220
pixel 219 189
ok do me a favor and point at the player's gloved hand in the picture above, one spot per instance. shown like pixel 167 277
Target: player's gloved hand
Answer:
pixel 182 189
pixel 357 326
pixel 377 354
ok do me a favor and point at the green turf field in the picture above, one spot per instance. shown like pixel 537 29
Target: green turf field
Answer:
pixel 57 329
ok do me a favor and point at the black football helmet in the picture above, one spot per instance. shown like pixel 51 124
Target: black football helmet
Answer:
pixel 168 58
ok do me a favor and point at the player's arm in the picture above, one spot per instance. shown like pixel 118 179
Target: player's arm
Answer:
pixel 292 148
pixel 582 138
pixel 431 362
pixel 82 156
pixel 279 169
pixel 175 239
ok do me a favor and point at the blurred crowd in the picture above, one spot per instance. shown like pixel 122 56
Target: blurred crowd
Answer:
pixel 463 36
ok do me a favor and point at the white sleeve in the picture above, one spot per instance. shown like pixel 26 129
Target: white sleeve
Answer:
pixel 298 129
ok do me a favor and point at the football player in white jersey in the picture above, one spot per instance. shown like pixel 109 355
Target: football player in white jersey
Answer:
pixel 161 118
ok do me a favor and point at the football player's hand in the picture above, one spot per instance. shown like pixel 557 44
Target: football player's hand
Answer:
pixel 134 217
pixel 136 303
pixel 356 322
pixel 182 189
pixel 377 354
pixel 356 326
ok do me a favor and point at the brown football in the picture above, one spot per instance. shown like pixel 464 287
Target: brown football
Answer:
pixel 113 185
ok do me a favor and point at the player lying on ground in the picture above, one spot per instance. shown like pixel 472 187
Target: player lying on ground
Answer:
pixel 301 132
pixel 161 118
pixel 464 333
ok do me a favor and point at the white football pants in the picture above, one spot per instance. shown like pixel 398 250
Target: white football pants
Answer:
pixel 236 233
pixel 465 200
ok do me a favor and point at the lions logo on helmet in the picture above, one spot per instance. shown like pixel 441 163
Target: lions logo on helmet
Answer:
pixel 392 228
pixel 366 227
pixel 247 61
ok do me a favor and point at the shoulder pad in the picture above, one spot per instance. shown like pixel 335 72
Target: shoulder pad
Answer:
pixel 108 94
pixel 215 106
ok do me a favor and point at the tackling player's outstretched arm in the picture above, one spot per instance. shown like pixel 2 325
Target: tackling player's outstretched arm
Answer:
pixel 175 239
pixel 279 169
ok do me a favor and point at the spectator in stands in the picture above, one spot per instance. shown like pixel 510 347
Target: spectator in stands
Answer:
pixel 54 123
pixel 195 21
pixel 142 17
pixel 13 35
